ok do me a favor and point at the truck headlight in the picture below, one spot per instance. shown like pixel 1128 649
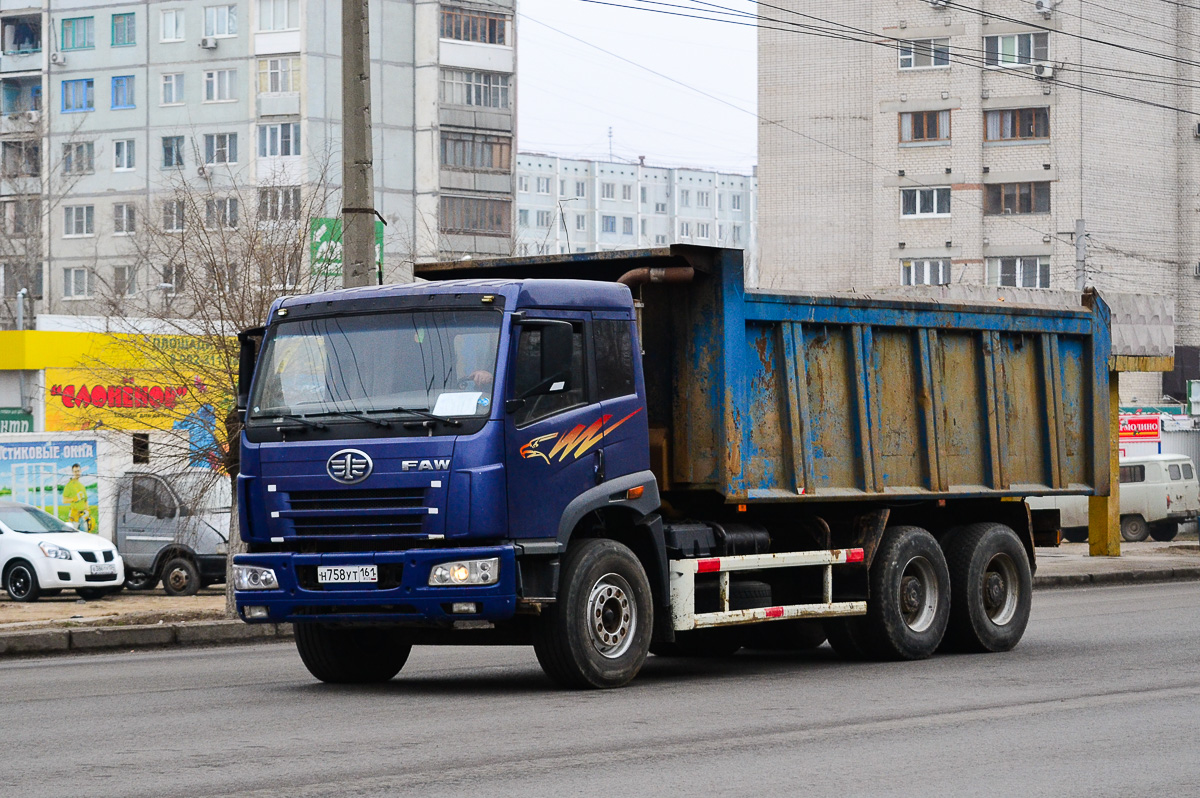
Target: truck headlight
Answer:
pixel 252 577
pixel 465 572
pixel 54 552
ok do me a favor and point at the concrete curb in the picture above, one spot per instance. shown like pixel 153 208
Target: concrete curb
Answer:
pixel 1180 574
pixel 159 635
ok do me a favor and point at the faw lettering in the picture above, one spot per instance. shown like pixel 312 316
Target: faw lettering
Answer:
pixel 425 465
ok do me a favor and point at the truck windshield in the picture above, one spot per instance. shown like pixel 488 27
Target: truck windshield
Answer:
pixel 437 361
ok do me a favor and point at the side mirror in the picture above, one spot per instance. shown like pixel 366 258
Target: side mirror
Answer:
pixel 250 341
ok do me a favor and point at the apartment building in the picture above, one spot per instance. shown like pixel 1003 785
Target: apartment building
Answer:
pixel 960 143
pixel 118 119
pixel 574 205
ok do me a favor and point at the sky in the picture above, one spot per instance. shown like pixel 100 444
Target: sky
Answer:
pixel 570 93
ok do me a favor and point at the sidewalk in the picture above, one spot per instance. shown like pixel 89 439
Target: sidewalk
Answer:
pixel 129 620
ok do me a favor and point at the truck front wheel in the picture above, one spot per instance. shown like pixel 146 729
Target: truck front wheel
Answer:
pixel 351 656
pixel 910 596
pixel 992 586
pixel 598 632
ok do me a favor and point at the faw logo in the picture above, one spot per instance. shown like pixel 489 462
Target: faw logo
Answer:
pixel 425 465
pixel 576 442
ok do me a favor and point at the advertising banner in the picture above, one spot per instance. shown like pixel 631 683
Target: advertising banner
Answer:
pixel 14 419
pixel 1143 429
pixel 58 476
pixel 325 246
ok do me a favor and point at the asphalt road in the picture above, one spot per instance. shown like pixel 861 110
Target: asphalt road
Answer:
pixel 1102 698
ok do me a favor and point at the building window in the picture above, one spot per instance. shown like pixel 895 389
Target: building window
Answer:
pixel 922 202
pixel 1029 272
pixel 171 29
pixel 172 89
pixel 1015 49
pixel 660 207
pixel 79 158
pixel 78 95
pixel 279 75
pixel 20 158
pixel 523 184
pixel 685 198
pixel 703 199
pixel 925 272
pixel 172 151
pixel 484 152
pixel 1017 124
pixel 79 220
pixel 77 282
pixel 220 85
pixel 543 185
pixel 474 26
pixel 489 217
pixel 125 284
pixel 580 188
pixel 123 151
pixel 173 275
pixel 15 98
pixel 685 229
pixel 484 89
pixel 220 148
pixel 608 224
pixel 173 216
pixel 279 141
pixel 643 194
pixel 523 217
pixel 123 218
pixel 608 191
pixel 220 20
pixel 627 192
pixel 924 53
pixel 221 213
pixel 78 34
pixel 124 32
pixel 627 226
pixel 545 218
pixel 279 204
pixel 1016 198
pixel 278 14
pixel 581 222
pixel 924 126
pixel 19 218
pixel 122 92
pixel 702 229
pixel 735 202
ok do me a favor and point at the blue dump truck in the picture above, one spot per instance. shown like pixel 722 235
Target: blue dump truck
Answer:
pixel 624 453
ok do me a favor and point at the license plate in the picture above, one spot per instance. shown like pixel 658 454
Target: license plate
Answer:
pixel 340 574
pixel 104 570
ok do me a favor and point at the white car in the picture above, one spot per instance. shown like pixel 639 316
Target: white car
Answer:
pixel 40 555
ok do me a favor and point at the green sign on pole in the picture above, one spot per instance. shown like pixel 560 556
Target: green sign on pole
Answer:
pixel 325 246
pixel 14 419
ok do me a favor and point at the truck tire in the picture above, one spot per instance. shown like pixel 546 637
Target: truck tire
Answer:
pixel 991 585
pixel 1075 534
pixel 1134 529
pixel 1165 531
pixel 597 633
pixel 845 637
pixel 21 582
pixel 180 577
pixel 340 655
pixel 909 604
pixel 140 580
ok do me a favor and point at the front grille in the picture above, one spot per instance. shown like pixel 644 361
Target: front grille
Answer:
pixel 88 556
pixel 382 499
pixel 100 577
pixel 389 511
pixel 389 577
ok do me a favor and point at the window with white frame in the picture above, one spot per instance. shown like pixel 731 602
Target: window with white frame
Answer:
pixel 1023 272
pixel 172 147
pixel 125 282
pixel 221 213
pixel 580 188
pixel 172 88
pixel 279 75
pixel 736 234
pixel 643 195
pixel 220 148
pixel 660 239
pixel 124 219
pixel 1016 49
pixel 735 202
pixel 171 28
pixel 543 185
pixel 703 199
pixel 79 220
pixel 925 202
pixel 627 226
pixel 685 229
pixel 220 85
pixel 173 216
pixel 580 221
pixel 924 53
pixel 279 141
pixel 523 183
pixel 924 127
pixel 545 218
pixel 174 276
pixel 220 20
pixel 469 87
pixel 279 204
pixel 523 217
pixel 685 198
pixel 77 282
pixel 702 229
pixel 608 190
pixel 278 14
pixel 79 158
pixel 608 224
pixel 929 271
pixel 644 227
pixel 660 207
pixel 626 192
pixel 123 155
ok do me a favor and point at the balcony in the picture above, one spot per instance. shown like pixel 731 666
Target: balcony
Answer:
pixel 21 43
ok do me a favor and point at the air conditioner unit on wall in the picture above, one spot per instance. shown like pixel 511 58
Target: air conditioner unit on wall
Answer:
pixel 1043 7
pixel 32 117
pixel 1044 71
pixel 57 58
pixel 209 43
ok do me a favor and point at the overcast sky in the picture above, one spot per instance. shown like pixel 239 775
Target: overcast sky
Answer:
pixel 570 93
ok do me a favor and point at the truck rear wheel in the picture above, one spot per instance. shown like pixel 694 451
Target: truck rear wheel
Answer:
pixel 597 633
pixel 1134 529
pixel 909 605
pixel 992 586
pixel 1164 531
pixel 351 656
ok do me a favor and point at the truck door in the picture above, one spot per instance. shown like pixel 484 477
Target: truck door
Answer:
pixel 148 523
pixel 625 447
pixel 550 436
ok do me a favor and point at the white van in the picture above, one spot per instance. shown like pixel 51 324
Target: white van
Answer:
pixel 1158 491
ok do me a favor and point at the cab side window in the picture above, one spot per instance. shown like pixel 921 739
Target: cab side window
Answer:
pixel 1176 473
pixel 527 373
pixel 1187 471
pixel 148 496
pixel 614 358
pixel 1132 473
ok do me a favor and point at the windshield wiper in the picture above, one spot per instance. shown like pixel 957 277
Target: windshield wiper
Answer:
pixel 453 422
pixel 346 413
pixel 301 419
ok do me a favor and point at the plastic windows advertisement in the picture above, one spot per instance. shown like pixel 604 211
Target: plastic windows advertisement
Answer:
pixel 56 476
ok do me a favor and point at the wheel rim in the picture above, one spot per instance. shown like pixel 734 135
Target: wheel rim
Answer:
pixel 20 582
pixel 1001 589
pixel 919 594
pixel 611 616
pixel 178 579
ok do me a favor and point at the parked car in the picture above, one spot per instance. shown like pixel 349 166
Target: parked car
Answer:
pixel 1158 492
pixel 42 556
pixel 173 528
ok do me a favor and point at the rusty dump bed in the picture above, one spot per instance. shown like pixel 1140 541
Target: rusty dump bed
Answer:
pixel 791 397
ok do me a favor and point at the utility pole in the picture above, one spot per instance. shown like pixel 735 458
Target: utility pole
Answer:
pixel 358 179
pixel 1080 256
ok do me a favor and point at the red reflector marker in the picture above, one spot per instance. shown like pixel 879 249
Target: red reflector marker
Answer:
pixel 708 566
pixel 774 612
pixel 854 555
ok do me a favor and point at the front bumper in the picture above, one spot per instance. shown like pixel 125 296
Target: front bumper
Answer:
pixel 402 595
pixel 74 573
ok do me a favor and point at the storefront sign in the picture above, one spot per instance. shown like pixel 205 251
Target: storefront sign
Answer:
pixel 14 419
pixel 1142 429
